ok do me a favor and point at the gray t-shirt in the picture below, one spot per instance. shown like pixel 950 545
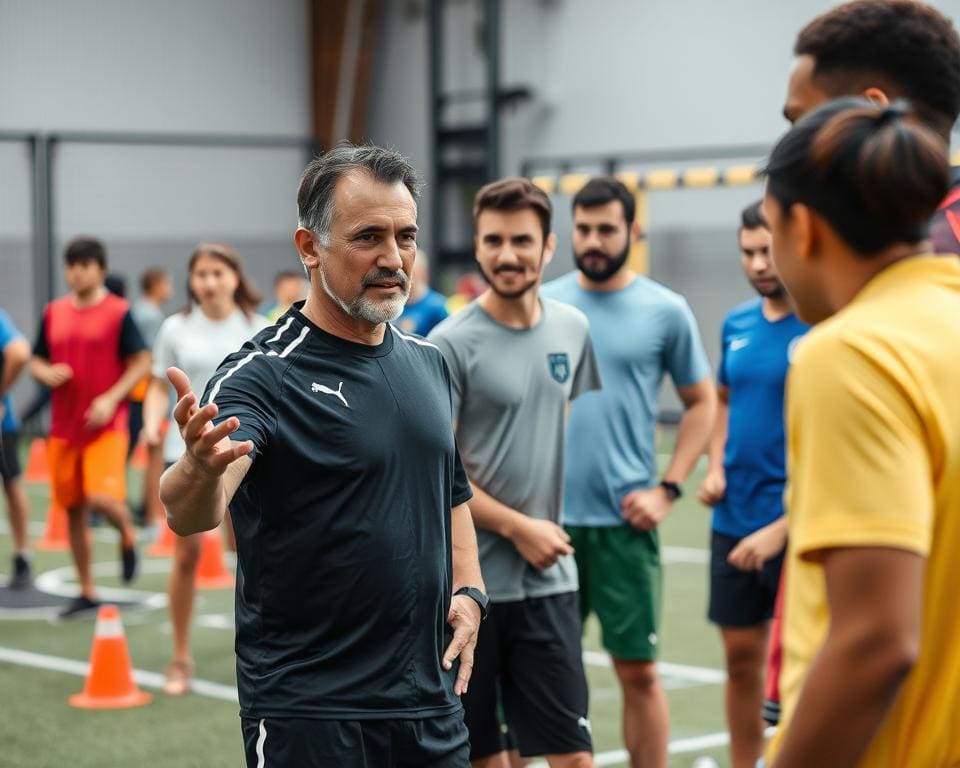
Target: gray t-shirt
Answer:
pixel 510 389
pixel 148 317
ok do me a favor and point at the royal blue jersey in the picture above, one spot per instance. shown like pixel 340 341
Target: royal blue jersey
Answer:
pixel 753 366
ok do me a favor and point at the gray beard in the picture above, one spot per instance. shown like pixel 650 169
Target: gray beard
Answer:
pixel 365 308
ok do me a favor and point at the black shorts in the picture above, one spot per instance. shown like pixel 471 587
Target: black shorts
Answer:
pixel 740 598
pixel 9 458
pixel 529 659
pixel 435 742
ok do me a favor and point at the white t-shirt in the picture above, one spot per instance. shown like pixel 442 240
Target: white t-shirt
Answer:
pixel 197 345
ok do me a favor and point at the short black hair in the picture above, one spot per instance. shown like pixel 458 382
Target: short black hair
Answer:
pixel 514 193
pixel 874 174
pixel 601 190
pixel 151 277
pixel 83 249
pixel 752 217
pixel 910 45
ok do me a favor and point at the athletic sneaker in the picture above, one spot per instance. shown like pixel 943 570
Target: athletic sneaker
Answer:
pixel 78 608
pixel 130 562
pixel 21 573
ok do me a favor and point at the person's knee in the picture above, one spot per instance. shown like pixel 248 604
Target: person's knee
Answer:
pixel 744 661
pixel 639 677
pixel 572 760
pixel 187 556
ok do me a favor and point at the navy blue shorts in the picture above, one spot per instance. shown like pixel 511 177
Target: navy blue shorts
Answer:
pixel 740 598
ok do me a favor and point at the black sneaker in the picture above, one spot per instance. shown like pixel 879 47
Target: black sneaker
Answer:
pixel 21 573
pixel 78 608
pixel 130 562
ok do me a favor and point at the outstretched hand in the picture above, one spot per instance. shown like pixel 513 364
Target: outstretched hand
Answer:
pixel 209 448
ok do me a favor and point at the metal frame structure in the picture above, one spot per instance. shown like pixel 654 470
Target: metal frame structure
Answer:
pixel 42 147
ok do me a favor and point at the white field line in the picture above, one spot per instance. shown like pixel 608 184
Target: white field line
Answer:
pixel 704 675
pixel 80 668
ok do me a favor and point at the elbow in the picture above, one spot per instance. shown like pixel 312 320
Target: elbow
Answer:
pixel 890 655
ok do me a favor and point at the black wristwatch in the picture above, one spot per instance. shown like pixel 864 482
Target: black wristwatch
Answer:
pixel 478 597
pixel 673 490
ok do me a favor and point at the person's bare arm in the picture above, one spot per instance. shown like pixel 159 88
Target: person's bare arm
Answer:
pixel 155 405
pixel 647 508
pixel 197 490
pixel 49 374
pixel 464 614
pixel 754 550
pixel 104 405
pixel 714 485
pixel 540 542
pixel 15 357
pixel 874 597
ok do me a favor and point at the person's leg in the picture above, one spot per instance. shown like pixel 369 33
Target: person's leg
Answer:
pixel 435 742
pixel 745 648
pixel 626 596
pixel 305 743
pixel 480 702
pixel 17 511
pixel 153 513
pixel 77 527
pixel 66 486
pixel 646 716
pixel 545 693
pixel 105 489
pixel 181 591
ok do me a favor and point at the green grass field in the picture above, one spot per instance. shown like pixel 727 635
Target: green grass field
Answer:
pixel 39 669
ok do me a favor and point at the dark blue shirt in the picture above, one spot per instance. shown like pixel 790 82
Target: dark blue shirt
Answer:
pixel 753 365
pixel 421 317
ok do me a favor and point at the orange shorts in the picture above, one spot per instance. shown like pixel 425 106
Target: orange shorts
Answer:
pixel 77 473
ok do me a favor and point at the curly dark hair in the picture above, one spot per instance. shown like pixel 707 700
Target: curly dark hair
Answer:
pixel 911 47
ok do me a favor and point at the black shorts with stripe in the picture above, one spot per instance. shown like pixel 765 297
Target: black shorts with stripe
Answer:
pixel 435 742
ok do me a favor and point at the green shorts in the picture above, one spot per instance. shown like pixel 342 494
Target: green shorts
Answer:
pixel 621 580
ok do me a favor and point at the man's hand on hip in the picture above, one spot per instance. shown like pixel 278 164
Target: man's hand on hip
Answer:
pixel 464 617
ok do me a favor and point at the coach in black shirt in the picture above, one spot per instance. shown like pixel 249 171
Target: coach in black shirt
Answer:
pixel 329 436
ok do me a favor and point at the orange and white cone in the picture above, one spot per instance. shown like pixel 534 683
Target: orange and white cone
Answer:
pixel 163 546
pixel 110 683
pixel 56 537
pixel 38 466
pixel 212 571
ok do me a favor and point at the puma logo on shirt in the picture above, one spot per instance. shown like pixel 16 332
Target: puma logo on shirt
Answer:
pixel 338 393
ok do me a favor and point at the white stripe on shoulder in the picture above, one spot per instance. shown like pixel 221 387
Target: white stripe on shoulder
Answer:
pixel 292 345
pixel 414 339
pixel 281 330
pixel 216 388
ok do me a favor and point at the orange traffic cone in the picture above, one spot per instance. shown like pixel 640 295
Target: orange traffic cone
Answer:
pixel 110 683
pixel 55 536
pixel 38 468
pixel 212 572
pixel 140 457
pixel 163 546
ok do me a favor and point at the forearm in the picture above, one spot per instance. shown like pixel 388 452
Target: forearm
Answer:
pixel 718 438
pixel 15 357
pixel 492 515
pixel 155 404
pixel 692 437
pixel 41 370
pixel 466 560
pixel 195 500
pixel 138 366
pixel 835 722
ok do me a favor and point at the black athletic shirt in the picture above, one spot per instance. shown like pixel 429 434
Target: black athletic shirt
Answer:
pixel 342 523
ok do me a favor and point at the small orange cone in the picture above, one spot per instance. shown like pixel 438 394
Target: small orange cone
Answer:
pixel 163 546
pixel 140 457
pixel 212 572
pixel 110 683
pixel 55 537
pixel 38 467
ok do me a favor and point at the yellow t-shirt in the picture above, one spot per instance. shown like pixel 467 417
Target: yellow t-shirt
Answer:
pixel 873 434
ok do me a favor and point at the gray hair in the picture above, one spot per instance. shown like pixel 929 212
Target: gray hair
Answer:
pixel 315 197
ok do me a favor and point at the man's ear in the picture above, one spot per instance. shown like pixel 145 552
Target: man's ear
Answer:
pixel 308 247
pixel 877 96
pixel 636 232
pixel 549 247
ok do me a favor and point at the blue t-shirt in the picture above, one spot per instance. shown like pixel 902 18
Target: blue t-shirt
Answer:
pixel 754 360
pixel 8 333
pixel 639 333
pixel 419 318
